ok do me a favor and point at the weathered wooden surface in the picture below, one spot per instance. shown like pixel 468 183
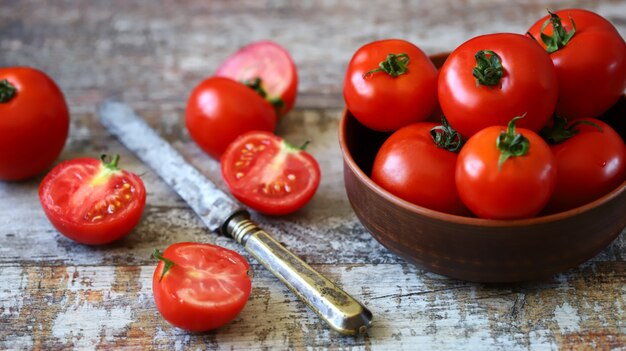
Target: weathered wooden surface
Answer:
pixel 57 294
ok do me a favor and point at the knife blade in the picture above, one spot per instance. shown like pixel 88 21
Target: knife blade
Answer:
pixel 220 213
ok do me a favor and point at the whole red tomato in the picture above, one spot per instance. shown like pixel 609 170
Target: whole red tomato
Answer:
pixel 590 160
pixel 92 201
pixel 199 287
pixel 505 174
pixel 390 84
pixel 417 163
pixel 34 122
pixel 269 175
pixel 590 60
pixel 492 78
pixel 220 109
pixel 269 69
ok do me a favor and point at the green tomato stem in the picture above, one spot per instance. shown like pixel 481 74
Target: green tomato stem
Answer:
pixel 394 65
pixel 256 84
pixel 559 132
pixel 560 37
pixel 488 70
pixel 7 91
pixel 445 137
pixel 110 165
pixel 167 263
pixel 511 144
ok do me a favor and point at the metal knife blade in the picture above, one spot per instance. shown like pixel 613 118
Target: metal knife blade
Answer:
pixel 219 212
pixel 209 202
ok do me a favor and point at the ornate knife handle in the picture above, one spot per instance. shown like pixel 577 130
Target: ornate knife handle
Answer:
pixel 340 310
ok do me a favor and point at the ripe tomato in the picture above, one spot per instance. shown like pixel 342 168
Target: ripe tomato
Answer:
pixel 492 78
pixel 269 175
pixel 589 58
pixel 269 69
pixel 590 162
pixel 91 201
pixel 34 122
pixel 220 109
pixel 505 175
pixel 412 166
pixel 390 84
pixel 199 287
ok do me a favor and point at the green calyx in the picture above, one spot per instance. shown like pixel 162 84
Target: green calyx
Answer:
pixel 394 65
pixel 110 165
pixel 293 148
pixel 560 37
pixel 511 144
pixel 488 70
pixel 559 131
pixel 7 91
pixel 445 137
pixel 106 170
pixel 167 263
pixel 256 85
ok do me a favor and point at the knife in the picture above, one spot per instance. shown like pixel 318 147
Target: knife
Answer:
pixel 222 214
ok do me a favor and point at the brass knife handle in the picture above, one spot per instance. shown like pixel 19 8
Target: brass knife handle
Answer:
pixel 340 310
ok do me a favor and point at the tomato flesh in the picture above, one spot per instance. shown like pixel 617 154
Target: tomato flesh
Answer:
pixel 271 63
pixel 206 287
pixel 90 203
pixel 268 175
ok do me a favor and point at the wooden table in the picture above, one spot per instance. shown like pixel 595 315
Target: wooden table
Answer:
pixel 57 294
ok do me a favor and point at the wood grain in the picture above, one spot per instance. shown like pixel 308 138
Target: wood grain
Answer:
pixel 56 294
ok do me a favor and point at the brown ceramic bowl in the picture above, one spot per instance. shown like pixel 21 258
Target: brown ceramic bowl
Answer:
pixel 477 249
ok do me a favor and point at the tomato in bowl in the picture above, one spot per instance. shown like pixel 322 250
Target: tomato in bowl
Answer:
pixel 475 249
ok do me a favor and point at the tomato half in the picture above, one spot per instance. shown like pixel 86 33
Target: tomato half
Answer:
pixel 590 61
pixel 34 122
pixel 390 84
pixel 411 166
pixel 268 68
pixel 199 287
pixel 494 186
pixel 220 109
pixel 590 161
pixel 490 79
pixel 91 201
pixel 269 175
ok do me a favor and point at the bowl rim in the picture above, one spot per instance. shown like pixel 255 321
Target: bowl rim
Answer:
pixel 474 221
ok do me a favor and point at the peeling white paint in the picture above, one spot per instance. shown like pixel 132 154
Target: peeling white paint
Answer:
pixel 12 290
pixel 20 342
pixel 567 318
pixel 83 325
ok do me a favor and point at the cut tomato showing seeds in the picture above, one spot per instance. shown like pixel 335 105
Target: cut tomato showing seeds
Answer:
pixel 269 175
pixel 92 201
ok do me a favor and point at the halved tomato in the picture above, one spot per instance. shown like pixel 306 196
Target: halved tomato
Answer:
pixel 92 201
pixel 199 287
pixel 268 174
pixel 268 68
